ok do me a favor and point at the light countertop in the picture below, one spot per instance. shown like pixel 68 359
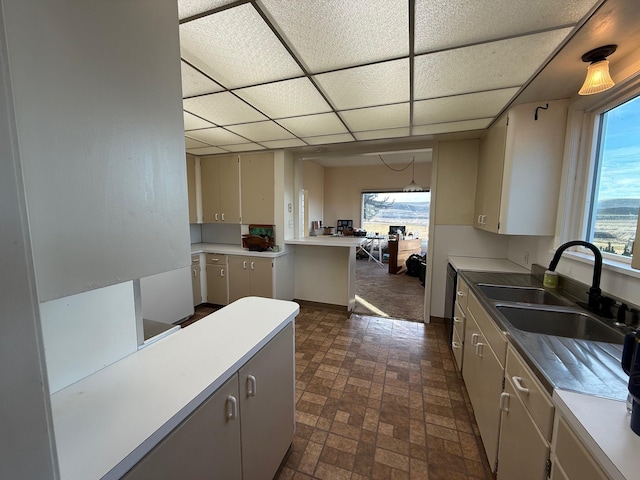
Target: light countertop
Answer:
pixel 327 241
pixel 226 249
pixel 105 423
pixel 603 426
pixel 485 264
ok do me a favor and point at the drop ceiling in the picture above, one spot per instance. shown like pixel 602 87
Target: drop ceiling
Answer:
pixel 274 74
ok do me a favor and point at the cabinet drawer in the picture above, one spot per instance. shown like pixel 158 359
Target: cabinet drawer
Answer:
pixel 576 461
pixel 459 322
pixel 216 259
pixel 536 400
pixel 491 332
pixel 462 293
pixel 458 349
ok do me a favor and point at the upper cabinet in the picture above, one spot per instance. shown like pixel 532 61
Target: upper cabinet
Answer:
pixel 258 188
pixel 220 179
pixel 191 189
pixel 519 170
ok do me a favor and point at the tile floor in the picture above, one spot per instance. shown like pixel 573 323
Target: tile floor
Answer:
pixel 379 399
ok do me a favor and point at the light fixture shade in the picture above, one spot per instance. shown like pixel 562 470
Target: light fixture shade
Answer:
pixel 412 187
pixel 598 78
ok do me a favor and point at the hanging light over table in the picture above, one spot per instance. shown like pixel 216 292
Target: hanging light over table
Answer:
pixel 413 186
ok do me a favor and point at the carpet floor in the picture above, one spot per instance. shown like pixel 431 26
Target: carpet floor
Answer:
pixel 382 294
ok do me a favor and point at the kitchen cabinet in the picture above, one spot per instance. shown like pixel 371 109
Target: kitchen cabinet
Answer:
pixel 205 445
pixel 195 280
pixel 457 342
pixel 526 424
pixel 191 189
pixel 570 458
pixel 483 372
pixel 257 174
pixel 217 279
pixel 519 169
pixel 220 181
pixel 250 276
pixel 244 429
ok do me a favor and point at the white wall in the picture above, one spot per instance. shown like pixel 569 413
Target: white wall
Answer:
pixel 167 297
pixel 313 183
pixel 97 94
pixel 84 333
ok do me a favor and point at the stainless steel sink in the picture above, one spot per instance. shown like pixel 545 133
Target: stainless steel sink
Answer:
pixel 520 294
pixel 561 323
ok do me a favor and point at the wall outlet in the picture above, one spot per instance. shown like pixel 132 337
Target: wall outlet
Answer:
pixel 526 258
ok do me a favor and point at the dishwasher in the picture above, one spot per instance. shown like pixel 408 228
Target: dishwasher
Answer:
pixel 450 300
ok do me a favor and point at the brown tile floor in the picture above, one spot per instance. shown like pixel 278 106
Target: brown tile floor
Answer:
pixel 379 399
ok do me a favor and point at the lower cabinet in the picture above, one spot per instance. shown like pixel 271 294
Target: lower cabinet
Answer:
pixel 242 431
pixel 217 279
pixel 250 276
pixel 570 458
pixel 457 341
pixel 195 280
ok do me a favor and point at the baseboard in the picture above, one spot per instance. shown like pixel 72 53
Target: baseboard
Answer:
pixel 324 306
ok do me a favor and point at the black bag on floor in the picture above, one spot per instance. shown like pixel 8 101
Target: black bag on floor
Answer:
pixel 413 265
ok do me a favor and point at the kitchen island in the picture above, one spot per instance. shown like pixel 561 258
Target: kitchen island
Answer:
pixel 107 422
pixel 325 269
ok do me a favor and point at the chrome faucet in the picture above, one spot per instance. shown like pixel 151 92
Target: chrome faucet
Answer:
pixel 597 302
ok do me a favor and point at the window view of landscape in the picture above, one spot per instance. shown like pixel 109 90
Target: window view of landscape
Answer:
pixel 408 209
pixel 617 194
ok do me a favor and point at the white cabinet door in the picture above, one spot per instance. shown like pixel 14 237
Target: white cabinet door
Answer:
pixel 267 407
pixel 523 451
pixel 205 446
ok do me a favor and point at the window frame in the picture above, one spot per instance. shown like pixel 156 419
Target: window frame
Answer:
pixel 584 124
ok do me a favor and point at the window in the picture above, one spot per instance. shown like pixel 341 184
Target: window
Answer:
pixel 615 198
pixel 381 210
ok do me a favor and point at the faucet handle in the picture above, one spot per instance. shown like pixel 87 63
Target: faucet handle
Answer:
pixel 621 315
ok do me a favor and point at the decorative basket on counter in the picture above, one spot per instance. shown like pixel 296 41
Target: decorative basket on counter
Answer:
pixel 259 238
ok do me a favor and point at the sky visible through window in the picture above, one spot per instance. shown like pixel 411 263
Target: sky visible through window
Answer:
pixel 408 209
pixel 617 196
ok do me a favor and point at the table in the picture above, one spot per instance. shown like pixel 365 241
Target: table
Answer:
pixel 369 242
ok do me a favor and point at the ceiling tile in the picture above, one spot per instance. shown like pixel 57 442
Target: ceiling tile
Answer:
pixel 195 83
pixel 284 143
pixel 222 109
pixel 236 48
pixel 191 143
pixel 387 133
pixel 501 64
pixel 285 99
pixel 461 107
pixel 191 122
pixel 465 125
pixel 321 140
pixel 216 136
pixel 376 118
pixel 377 84
pixel 205 151
pixel 189 8
pixel 337 34
pixel 244 147
pixel 442 24
pixel 314 125
pixel 261 131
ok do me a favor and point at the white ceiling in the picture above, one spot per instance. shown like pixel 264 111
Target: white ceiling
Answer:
pixel 290 73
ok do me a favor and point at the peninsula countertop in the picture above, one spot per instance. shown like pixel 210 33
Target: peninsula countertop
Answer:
pixel 105 423
pixel 227 249
pixel 327 241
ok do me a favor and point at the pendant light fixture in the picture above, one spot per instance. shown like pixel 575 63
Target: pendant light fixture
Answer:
pixel 598 78
pixel 413 186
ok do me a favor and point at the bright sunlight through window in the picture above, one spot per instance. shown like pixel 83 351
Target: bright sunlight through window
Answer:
pixel 408 209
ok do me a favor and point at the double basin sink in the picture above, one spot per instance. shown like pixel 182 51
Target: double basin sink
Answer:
pixel 548 314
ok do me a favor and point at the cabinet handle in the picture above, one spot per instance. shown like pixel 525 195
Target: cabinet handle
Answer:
pixel 517 381
pixel 457 320
pixel 216 217
pixel 479 219
pixel 223 217
pixel 252 264
pixel 504 402
pixel 244 264
pixel 232 407
pixel 474 339
pixel 455 345
pixel 194 272
pixel 460 294
pixel 222 272
pixel 479 349
pixel 251 386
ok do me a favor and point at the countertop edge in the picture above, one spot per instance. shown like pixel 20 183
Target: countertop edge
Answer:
pixel 227 249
